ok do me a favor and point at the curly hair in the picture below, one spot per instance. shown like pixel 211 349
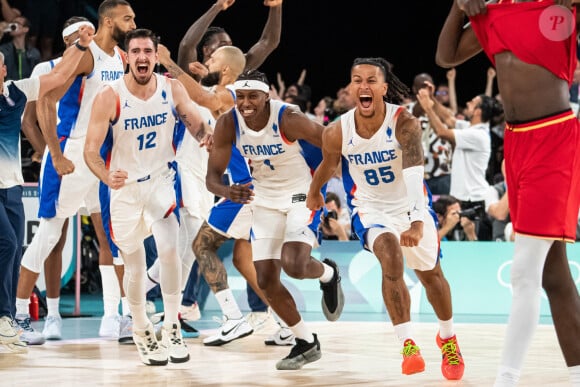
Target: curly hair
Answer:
pixel 397 90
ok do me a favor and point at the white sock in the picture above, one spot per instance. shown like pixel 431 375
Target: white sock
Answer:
pixel 228 304
pixel 170 308
pixel 526 283
pixel 111 290
pixel 125 306
pixel 22 306
pixel 52 306
pixel 446 329
pixel 328 273
pixel 507 377
pixel 404 331
pixel 301 331
pixel 574 375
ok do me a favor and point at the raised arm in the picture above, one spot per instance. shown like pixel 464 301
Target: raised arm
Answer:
pixel 270 38
pixel 451 75
pixel 187 52
pixel 331 155
pixel 456 44
pixel 102 114
pixel 219 99
pixel 427 103
pixel 189 114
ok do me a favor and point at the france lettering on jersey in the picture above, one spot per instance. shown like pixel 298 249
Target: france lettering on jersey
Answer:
pixel 142 141
pixel 280 171
pixel 76 107
pixel 372 168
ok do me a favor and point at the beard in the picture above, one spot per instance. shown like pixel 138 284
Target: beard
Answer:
pixel 141 80
pixel 211 79
pixel 119 36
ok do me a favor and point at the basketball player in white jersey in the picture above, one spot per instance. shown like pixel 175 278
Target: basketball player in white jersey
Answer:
pixel 383 164
pixel 78 187
pixel 279 141
pixel 53 265
pixel 137 116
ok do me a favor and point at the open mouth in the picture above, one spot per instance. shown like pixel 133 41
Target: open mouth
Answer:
pixel 366 101
pixel 142 69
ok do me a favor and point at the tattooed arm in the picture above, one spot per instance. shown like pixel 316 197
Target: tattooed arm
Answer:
pixel 408 133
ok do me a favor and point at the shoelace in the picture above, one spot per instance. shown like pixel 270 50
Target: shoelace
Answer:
pixel 25 325
pixel 150 345
pixel 409 349
pixel 173 337
pixel 450 350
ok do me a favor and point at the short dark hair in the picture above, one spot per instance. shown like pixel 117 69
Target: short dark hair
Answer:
pixel 440 206
pixel 253 75
pixel 209 33
pixel 490 107
pixel 107 5
pixel 141 33
pixel 330 196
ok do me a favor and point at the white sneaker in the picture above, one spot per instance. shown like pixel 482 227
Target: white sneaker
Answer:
pixel 190 313
pixel 126 330
pixel 28 334
pixel 110 326
pixel 262 321
pixel 8 335
pixel 172 340
pixel 230 330
pixel 52 328
pixel 150 351
pixel 283 336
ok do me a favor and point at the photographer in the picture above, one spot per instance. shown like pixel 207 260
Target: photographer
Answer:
pixel 471 150
pixel 335 224
pixel 454 224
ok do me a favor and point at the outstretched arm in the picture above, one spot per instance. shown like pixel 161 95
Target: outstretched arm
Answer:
pixel 427 103
pixel 456 44
pixel 270 38
pixel 189 114
pixel 218 99
pixel 188 46
pixel 331 154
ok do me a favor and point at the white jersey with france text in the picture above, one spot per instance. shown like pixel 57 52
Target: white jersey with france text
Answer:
pixel 106 68
pixel 375 165
pixel 143 131
pixel 280 172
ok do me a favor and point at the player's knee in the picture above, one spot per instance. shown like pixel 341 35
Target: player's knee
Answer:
pixel 294 268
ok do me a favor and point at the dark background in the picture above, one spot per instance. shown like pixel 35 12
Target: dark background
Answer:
pixel 324 37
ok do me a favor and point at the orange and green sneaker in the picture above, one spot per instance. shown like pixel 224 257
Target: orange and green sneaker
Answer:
pixel 452 365
pixel 412 360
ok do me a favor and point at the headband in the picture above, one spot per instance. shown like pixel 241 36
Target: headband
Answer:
pixel 252 84
pixel 75 27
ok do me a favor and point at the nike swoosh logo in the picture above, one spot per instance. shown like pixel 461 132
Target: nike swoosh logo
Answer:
pixel 225 333
pixel 285 337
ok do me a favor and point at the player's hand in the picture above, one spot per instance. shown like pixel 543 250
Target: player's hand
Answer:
pixel 272 3
pixel 225 4
pixel 86 34
pixel 241 193
pixel 198 68
pixel 413 235
pixel 117 179
pixel 207 141
pixel 164 53
pixel 425 100
pixel 63 166
pixel 472 7
pixel 451 73
pixel 314 200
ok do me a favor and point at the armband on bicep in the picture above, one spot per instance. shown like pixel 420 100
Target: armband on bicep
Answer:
pixel 413 177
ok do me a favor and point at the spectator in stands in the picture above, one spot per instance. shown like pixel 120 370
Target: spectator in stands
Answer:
pixel 453 226
pixel 19 57
pixel 335 224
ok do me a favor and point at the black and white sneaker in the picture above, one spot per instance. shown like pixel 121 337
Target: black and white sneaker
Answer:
pixel 230 330
pixel 332 295
pixel 150 350
pixel 283 336
pixel 302 353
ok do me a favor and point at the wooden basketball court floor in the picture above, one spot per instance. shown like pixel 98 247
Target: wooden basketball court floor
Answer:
pixel 356 351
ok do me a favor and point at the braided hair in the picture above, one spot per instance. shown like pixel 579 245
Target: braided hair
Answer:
pixel 397 90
